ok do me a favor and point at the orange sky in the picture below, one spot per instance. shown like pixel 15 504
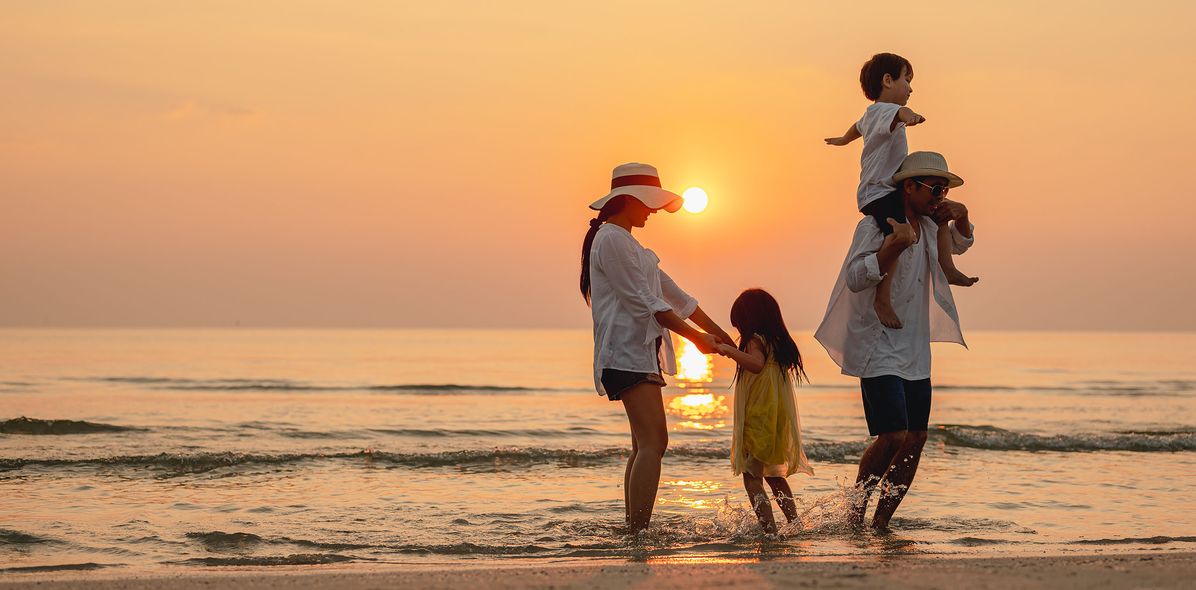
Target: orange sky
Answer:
pixel 429 164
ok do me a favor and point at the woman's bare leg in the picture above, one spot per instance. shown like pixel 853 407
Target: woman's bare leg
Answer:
pixel 627 481
pixel 645 412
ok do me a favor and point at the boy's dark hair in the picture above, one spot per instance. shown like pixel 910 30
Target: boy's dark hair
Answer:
pixel 872 75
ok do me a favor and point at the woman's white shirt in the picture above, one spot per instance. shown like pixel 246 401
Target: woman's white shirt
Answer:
pixel 627 289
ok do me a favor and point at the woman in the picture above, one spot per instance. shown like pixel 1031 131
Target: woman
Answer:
pixel 635 305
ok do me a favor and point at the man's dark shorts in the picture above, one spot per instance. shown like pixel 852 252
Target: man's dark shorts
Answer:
pixel 892 404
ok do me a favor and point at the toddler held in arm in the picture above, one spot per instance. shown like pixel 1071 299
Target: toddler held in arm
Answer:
pixel 886 80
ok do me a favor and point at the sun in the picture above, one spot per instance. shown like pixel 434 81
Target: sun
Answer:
pixel 695 199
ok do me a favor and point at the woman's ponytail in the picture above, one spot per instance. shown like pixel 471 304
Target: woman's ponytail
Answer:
pixel 612 207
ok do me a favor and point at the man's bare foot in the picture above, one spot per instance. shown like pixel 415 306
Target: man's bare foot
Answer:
pixel 959 279
pixel 884 311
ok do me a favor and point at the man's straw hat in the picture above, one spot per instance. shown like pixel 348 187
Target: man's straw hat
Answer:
pixel 926 164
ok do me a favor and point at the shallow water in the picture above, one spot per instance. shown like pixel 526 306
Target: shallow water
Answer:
pixel 145 449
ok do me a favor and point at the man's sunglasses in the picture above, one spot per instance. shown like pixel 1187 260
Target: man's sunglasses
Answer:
pixel 936 190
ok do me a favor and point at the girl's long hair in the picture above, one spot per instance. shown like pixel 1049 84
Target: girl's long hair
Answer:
pixel 611 208
pixel 756 312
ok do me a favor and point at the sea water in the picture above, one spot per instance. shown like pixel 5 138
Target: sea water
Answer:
pixel 150 449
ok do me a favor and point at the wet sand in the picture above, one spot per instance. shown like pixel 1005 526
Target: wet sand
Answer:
pixel 1145 570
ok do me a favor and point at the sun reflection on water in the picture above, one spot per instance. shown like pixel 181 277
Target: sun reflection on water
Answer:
pixel 693 366
pixel 687 493
pixel 700 409
pixel 699 406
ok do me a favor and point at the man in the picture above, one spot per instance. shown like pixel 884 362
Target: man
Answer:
pixel 894 364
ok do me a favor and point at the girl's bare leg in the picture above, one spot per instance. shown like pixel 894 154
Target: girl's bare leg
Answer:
pixel 947 261
pixel 645 412
pixel 759 499
pixel 784 496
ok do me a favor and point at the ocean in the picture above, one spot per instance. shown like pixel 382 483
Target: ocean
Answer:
pixel 205 448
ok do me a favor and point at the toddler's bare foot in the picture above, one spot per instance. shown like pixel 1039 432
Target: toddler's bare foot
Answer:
pixel 959 279
pixel 884 311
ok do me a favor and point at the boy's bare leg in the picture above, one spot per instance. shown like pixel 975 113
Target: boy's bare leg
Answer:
pixel 784 496
pixel 947 261
pixel 883 303
pixel 759 499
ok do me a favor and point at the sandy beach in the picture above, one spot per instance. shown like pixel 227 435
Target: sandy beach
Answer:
pixel 1147 570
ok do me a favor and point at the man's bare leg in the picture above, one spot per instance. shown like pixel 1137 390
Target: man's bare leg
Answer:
pixel 874 464
pixel 899 478
pixel 947 260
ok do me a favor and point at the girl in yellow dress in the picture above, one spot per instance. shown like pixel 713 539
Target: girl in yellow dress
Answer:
pixel 766 443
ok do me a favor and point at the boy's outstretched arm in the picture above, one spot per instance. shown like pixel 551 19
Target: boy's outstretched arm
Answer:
pixel 851 135
pixel 908 116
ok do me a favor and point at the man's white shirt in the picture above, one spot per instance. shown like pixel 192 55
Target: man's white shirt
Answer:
pixel 852 333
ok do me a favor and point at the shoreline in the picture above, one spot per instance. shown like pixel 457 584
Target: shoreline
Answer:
pixel 1152 569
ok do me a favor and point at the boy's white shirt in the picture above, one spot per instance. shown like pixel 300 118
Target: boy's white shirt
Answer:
pixel 627 289
pixel 852 333
pixel 885 148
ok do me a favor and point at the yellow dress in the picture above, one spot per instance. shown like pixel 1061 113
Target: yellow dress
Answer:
pixel 767 437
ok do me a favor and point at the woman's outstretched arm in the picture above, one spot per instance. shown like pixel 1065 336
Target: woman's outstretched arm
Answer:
pixel 704 322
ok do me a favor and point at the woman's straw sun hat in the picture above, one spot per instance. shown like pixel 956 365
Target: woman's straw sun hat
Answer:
pixel 641 181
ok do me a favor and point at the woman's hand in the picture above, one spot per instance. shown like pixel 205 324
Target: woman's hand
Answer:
pixel 725 338
pixel 706 343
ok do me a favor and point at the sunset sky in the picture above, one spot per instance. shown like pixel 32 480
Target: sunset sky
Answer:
pixel 404 164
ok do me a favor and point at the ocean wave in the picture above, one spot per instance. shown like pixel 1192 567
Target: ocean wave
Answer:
pixel 493 458
pixel 294 559
pixel 177 384
pixel 38 426
pixel 991 438
pixel 222 541
pixel 959 524
pixel 446 432
pixel 471 549
pixel 1159 540
pixel 11 537
pixel 987 438
pixel 175 463
pixel 59 568
pixel 1160 387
